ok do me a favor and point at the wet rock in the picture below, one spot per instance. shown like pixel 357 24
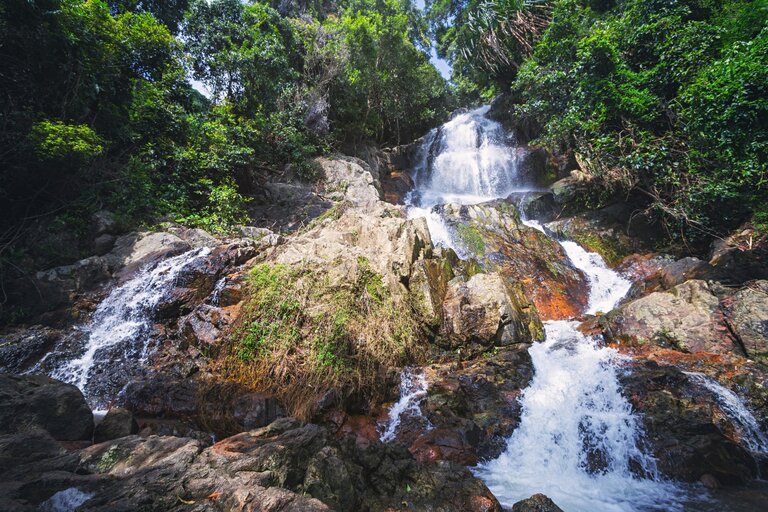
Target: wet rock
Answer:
pixel 687 318
pixel 536 503
pixel 532 165
pixel 350 179
pixel 681 425
pixel 487 311
pixel 538 206
pixel 747 315
pixel 39 401
pixel 22 348
pixel 218 407
pixel 117 423
pixel 472 407
pixel 613 232
pixel 494 235
pixel 395 185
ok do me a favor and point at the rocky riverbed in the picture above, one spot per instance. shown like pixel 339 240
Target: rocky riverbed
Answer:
pixel 188 428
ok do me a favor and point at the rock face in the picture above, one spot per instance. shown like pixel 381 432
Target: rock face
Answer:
pixel 350 179
pixel 488 311
pixel 493 234
pixel 37 401
pixel 473 407
pixel 687 317
pixel 747 315
pixel 285 466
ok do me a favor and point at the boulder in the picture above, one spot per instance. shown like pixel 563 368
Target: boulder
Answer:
pixel 473 407
pixel 687 318
pixel 493 234
pixel 487 311
pixel 117 423
pixel 747 316
pixel 536 503
pixel 349 179
pixel 37 401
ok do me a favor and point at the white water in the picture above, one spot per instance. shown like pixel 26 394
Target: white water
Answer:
pixel 413 389
pixel 741 418
pixel 579 441
pixel 125 316
pixel 67 500
pixel 468 160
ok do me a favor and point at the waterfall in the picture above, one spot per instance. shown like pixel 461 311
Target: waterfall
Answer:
pixel 468 160
pixel 741 418
pixel 124 320
pixel 579 440
pixel 413 389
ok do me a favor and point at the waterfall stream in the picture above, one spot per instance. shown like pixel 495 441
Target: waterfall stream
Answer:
pixel 122 320
pixel 579 440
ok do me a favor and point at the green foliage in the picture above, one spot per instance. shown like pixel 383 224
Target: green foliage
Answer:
pixel 388 90
pixel 61 142
pixel 667 98
pixel 225 208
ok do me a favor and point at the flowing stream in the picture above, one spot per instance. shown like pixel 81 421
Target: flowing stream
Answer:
pixel 413 389
pixel 123 321
pixel 579 441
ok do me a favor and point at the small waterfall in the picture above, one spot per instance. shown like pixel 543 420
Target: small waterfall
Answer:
pixel 741 418
pixel 413 389
pixel 125 318
pixel 468 160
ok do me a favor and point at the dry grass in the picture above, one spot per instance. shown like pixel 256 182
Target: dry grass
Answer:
pixel 301 337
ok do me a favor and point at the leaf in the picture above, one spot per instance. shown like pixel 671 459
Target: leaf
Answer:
pixel 214 495
pixel 186 502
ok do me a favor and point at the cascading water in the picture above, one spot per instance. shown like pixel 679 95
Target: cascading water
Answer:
pixel 468 160
pixel 579 441
pixel 740 416
pixel 124 320
pixel 413 389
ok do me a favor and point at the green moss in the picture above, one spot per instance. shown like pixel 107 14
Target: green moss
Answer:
pixel 610 253
pixel 109 459
pixel 471 238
